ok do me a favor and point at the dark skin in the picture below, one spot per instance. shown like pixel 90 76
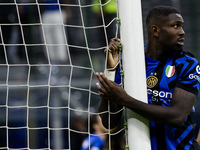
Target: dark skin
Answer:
pixel 162 37
pixel 165 37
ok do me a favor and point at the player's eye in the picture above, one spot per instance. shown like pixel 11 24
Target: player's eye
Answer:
pixel 176 26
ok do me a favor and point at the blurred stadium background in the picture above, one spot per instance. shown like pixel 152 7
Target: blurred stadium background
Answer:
pixel 15 59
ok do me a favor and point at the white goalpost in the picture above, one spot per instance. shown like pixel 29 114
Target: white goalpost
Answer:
pixel 134 70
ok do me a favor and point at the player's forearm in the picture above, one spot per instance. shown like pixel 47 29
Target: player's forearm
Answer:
pixel 171 116
pixel 114 116
pixel 159 114
pixel 112 61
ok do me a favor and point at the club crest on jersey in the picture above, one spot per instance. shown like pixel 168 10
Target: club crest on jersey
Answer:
pixel 152 81
pixel 170 70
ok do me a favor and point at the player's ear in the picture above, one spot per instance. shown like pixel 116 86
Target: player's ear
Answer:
pixel 155 30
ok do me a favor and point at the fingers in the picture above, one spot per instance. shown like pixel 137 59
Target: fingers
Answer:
pixel 103 80
pixel 98 86
pixel 106 82
pixel 116 39
pixel 109 90
pixel 114 44
pixel 102 91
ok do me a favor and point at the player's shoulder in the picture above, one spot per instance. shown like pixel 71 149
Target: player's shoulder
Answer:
pixel 186 57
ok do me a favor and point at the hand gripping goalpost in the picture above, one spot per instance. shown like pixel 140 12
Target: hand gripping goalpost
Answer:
pixel 131 31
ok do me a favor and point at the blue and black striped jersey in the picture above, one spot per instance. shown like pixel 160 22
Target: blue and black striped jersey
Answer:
pixel 94 142
pixel 53 5
pixel 180 70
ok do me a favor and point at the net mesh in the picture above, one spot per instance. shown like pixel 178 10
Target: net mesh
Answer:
pixel 50 50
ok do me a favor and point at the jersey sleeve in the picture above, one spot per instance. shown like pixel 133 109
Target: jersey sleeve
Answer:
pixel 98 144
pixel 118 76
pixel 189 76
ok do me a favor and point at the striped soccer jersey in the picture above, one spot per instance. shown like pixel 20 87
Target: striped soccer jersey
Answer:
pixel 53 5
pixel 180 70
pixel 93 142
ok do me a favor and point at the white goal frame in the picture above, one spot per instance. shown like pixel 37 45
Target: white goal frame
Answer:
pixel 130 12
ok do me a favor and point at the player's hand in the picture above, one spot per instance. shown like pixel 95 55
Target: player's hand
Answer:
pixel 114 45
pixel 113 53
pixel 111 90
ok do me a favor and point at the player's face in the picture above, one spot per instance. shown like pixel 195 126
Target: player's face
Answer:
pixel 172 33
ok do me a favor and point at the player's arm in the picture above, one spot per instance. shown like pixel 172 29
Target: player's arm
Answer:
pixel 182 102
pixel 114 117
pixel 112 61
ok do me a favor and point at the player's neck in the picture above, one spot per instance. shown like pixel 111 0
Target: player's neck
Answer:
pixel 156 52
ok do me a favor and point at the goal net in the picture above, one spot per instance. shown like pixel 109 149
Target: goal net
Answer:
pixel 50 51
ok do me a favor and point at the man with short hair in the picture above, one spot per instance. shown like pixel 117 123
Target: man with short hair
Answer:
pixel 172 96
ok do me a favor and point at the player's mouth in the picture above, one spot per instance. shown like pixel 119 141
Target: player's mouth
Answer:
pixel 180 41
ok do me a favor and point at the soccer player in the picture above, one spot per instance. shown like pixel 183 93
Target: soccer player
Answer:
pixel 172 77
pixel 97 140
